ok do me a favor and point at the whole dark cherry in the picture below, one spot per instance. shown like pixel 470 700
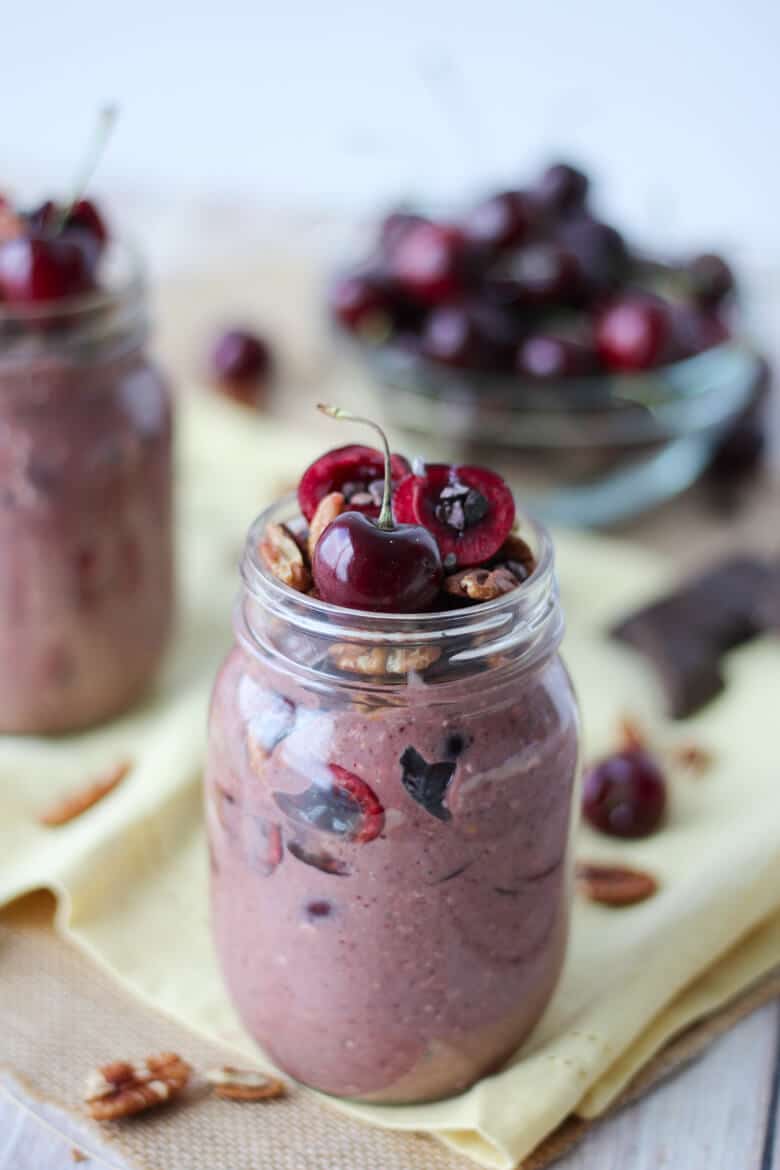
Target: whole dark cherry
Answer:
pixel 35 269
pixel 376 565
pixel 546 357
pixel 632 334
pixel 600 250
pixel 428 262
pixel 361 303
pixel 240 355
pixel 624 795
pixel 451 336
pixel 710 278
pixel 541 273
pixel 394 226
pixel 498 222
pixel 561 189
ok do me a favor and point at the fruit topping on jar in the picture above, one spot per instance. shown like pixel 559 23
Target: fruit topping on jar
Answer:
pixel 427 783
pixel 469 510
pixel 346 807
pixel 52 252
pixel 261 843
pixel 378 565
pixel 357 472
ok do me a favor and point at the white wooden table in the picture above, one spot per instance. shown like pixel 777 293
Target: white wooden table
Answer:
pixel 721 1113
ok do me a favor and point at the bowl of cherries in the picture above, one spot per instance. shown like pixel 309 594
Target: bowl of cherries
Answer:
pixel 603 378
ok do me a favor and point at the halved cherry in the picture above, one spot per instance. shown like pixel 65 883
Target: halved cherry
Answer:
pixel 355 471
pixel 469 510
pixel 349 808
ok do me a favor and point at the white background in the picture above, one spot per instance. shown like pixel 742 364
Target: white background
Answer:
pixel 675 107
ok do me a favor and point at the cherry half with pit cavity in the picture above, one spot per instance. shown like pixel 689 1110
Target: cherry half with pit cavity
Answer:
pixel 356 471
pixel 469 510
pixel 376 565
pixel 346 808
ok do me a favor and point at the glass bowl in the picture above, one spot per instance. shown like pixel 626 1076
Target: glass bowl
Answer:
pixel 582 451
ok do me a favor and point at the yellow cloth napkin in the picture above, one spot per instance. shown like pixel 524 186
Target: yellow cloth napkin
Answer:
pixel 131 875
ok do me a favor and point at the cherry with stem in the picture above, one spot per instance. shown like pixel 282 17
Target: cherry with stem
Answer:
pixel 376 565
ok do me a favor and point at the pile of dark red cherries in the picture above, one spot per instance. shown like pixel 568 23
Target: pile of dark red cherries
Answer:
pixel 530 284
pixel 49 254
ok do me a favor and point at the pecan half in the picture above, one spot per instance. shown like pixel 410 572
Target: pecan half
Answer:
pixel 614 885
pixel 121 1089
pixel 282 554
pixel 380 660
pixel 481 584
pixel 245 1084
pixel 73 804
pixel 328 509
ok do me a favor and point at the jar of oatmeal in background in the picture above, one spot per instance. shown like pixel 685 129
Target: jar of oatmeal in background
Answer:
pixel 390 807
pixel 86 557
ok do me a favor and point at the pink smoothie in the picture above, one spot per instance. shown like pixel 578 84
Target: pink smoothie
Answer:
pixel 399 956
pixel 85 534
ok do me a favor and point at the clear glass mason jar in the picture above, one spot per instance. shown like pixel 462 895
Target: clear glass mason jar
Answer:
pixel 390 852
pixel 86 558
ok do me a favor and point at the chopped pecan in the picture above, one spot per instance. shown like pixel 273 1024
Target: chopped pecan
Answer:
pixel 120 1089
pixel 282 554
pixel 614 885
pixel 517 556
pixel 328 509
pixel 245 1084
pixel 77 1155
pixel 693 757
pixel 381 660
pixel 73 804
pixel 481 584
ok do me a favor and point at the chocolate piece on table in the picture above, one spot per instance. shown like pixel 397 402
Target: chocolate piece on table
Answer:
pixel 686 633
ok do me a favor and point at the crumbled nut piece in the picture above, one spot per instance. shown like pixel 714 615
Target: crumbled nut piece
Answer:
pixel 281 553
pixel 614 885
pixel 328 509
pixel 245 1084
pixel 380 660
pixel 411 659
pixel 120 1089
pixel 73 804
pixel 481 584
pixel 77 1155
pixel 693 757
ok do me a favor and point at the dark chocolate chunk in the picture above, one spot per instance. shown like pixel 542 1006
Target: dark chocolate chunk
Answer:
pixel 455 744
pixel 686 633
pixel 427 783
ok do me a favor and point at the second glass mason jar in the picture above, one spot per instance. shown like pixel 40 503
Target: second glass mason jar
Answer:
pixel 86 559
pixel 390 814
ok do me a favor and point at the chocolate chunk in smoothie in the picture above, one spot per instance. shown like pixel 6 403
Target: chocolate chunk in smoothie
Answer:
pixel 686 633
pixel 427 783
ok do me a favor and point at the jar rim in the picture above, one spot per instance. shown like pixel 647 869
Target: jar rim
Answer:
pixel 530 602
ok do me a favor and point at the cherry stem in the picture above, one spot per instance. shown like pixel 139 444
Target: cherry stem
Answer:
pixel 107 119
pixel 385 518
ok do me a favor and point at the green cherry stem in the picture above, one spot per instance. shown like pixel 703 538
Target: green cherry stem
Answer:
pixel 107 119
pixel 385 518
